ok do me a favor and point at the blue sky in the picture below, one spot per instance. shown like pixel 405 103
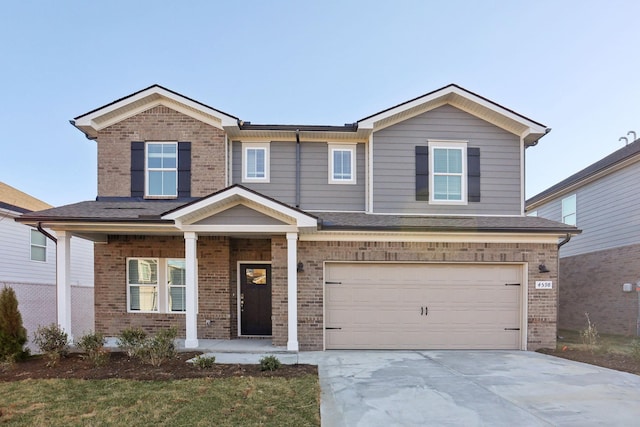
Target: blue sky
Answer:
pixel 571 65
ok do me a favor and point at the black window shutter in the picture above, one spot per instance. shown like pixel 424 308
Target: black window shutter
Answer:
pixel 184 169
pixel 422 173
pixel 473 174
pixel 137 169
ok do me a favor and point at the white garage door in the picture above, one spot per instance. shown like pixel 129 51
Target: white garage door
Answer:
pixel 422 306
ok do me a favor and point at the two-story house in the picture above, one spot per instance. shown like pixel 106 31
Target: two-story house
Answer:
pixel 29 266
pixel 403 230
pixel 599 269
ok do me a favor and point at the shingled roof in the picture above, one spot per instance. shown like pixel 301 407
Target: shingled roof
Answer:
pixel 152 212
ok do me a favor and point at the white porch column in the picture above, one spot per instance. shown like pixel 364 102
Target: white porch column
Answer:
pixel 63 281
pixel 292 287
pixel 191 278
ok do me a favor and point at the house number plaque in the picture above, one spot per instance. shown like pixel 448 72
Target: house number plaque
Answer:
pixel 544 284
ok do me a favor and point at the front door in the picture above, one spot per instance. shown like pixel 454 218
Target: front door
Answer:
pixel 255 299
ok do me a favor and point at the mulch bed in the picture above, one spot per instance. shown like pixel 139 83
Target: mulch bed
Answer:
pixel 619 362
pixel 120 366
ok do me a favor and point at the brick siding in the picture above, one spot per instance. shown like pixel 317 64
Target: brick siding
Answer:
pixel 111 315
pixel 160 124
pixel 542 308
pixel 217 278
pixel 592 283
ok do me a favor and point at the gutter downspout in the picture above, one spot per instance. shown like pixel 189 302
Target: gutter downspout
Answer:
pixel 564 242
pixel 298 168
pixel 46 233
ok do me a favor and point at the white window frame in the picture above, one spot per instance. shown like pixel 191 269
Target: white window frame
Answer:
pixel 162 286
pixel 351 148
pixel 33 245
pixel 567 203
pixel 264 146
pixel 148 169
pixel 170 286
pixel 456 145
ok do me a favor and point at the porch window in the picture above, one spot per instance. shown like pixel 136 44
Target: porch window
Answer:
pixel 142 284
pixel 176 273
pixel 156 285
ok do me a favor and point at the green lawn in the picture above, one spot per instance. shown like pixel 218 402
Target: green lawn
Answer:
pixel 196 402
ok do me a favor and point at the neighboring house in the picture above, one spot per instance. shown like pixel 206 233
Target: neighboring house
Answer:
pixel 405 229
pixel 29 266
pixel 599 268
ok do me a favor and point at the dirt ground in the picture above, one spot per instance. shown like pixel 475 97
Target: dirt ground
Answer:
pixel 619 362
pixel 120 366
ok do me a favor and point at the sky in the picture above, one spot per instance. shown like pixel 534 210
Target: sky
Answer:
pixel 573 66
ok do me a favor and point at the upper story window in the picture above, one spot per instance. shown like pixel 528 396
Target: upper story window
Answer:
pixel 162 169
pixel 255 162
pixel 448 166
pixel 569 210
pixel 342 164
pixel 38 246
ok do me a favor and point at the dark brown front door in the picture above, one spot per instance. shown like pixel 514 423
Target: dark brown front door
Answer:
pixel 255 299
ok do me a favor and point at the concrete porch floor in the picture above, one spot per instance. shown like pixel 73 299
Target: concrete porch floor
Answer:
pixel 247 345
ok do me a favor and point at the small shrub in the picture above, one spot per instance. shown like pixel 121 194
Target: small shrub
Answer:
pixel 13 336
pixel 590 336
pixel 93 345
pixel 204 362
pixel 635 350
pixel 160 347
pixel 269 363
pixel 131 341
pixel 52 341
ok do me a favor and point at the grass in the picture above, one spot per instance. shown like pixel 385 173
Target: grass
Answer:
pixel 244 401
pixel 606 343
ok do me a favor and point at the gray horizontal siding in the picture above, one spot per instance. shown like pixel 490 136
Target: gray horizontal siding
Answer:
pixel 394 163
pixel 607 213
pixel 316 193
pixel 240 215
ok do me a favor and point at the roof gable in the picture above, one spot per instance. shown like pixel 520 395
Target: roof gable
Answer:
pixel 464 100
pixel 200 213
pixel 94 121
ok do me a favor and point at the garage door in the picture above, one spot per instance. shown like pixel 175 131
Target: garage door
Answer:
pixel 422 306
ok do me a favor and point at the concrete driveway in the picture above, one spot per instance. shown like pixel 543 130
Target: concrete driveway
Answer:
pixel 470 388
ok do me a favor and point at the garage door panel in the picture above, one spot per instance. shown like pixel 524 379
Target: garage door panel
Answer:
pixel 385 306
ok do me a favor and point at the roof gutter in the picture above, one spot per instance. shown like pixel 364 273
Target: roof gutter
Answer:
pixel 46 233
pixel 90 138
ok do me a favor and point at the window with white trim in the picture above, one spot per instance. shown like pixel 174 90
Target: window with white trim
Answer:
pixel 176 281
pixel 342 164
pixel 38 246
pixel 448 167
pixel 156 285
pixel 161 162
pixel 255 162
pixel 569 211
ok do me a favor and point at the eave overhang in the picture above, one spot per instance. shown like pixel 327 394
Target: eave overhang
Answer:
pixel 186 217
pixel 530 131
pixel 92 122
